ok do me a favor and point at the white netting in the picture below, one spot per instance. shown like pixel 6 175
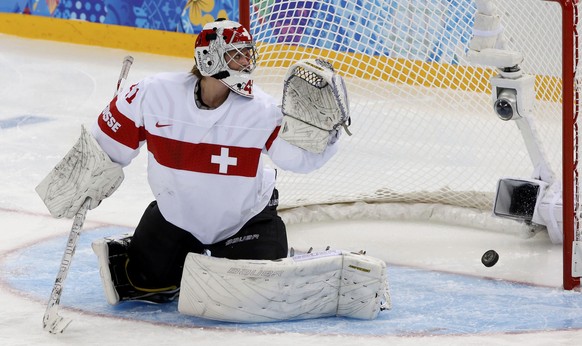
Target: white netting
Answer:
pixel 426 142
pixel 422 120
pixel 577 91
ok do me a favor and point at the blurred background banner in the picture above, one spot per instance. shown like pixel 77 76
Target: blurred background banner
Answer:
pixel 306 27
pixel 188 16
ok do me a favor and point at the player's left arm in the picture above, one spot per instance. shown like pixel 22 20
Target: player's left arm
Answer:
pixel 292 158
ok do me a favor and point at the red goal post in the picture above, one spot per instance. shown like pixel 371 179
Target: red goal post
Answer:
pixel 570 112
pixel 421 112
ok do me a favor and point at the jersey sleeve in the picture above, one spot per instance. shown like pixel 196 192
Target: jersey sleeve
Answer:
pixel 119 129
pixel 292 158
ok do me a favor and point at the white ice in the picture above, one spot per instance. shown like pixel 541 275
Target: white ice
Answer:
pixel 70 84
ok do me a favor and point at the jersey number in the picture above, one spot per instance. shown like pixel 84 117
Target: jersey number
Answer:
pixel 249 87
pixel 131 94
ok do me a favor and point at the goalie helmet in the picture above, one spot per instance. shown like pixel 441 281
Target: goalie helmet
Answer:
pixel 213 43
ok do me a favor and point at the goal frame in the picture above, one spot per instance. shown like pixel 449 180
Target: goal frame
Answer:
pixel 570 109
pixel 569 135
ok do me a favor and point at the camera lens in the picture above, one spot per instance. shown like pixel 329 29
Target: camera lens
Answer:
pixel 506 104
pixel 503 109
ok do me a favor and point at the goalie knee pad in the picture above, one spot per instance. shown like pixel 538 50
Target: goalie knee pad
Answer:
pixel 319 284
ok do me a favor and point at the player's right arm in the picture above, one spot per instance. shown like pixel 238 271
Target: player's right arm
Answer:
pixel 119 129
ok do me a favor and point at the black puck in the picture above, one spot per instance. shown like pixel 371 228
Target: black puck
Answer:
pixel 490 258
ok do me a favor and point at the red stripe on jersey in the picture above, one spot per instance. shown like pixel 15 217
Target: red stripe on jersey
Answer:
pixel 119 127
pixel 204 157
pixel 272 137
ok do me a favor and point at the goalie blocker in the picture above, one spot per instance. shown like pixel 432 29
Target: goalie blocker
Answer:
pixel 313 285
pixel 86 172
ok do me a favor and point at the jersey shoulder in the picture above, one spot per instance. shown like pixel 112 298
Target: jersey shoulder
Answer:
pixel 263 100
pixel 261 96
pixel 170 78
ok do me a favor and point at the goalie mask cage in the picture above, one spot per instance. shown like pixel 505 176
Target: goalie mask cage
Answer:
pixel 426 142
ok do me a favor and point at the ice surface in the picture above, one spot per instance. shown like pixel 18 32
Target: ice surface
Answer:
pixel 442 294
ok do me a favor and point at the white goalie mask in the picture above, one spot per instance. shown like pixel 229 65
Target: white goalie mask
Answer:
pixel 222 42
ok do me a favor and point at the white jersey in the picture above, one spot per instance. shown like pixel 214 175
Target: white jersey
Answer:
pixel 205 167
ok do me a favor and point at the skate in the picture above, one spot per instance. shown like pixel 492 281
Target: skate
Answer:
pixel 112 255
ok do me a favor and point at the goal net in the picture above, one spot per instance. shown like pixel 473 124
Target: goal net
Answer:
pixel 426 142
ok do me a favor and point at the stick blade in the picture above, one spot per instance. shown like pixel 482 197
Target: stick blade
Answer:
pixel 53 323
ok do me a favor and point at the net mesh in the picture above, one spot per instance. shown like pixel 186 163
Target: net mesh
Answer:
pixel 422 121
pixel 426 143
pixel 576 111
pixel 310 77
pixel 423 125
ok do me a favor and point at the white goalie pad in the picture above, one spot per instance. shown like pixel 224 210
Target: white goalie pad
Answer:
pixel 319 284
pixel 364 289
pixel 315 105
pixel 85 172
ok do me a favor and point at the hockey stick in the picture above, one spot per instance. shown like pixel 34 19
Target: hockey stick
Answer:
pixel 52 321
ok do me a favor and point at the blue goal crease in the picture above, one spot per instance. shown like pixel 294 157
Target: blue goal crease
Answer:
pixel 21 121
pixel 424 302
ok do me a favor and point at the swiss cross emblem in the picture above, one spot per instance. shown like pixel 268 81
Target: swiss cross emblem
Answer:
pixel 223 160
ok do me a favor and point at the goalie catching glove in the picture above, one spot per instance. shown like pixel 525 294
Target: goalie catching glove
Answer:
pixel 315 105
pixel 85 172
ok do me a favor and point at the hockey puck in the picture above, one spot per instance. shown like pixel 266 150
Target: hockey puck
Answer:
pixel 490 258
